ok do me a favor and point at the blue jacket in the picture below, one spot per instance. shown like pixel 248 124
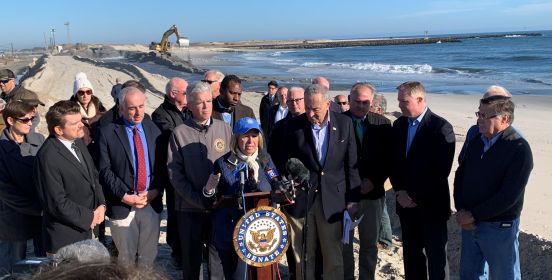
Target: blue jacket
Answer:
pixel 225 219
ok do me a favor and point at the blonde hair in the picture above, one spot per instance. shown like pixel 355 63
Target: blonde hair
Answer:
pixel 234 142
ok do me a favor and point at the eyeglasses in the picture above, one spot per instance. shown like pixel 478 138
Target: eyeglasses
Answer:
pixel 209 82
pixel 365 102
pixel 5 81
pixel 83 92
pixel 294 100
pixel 25 120
pixel 483 116
pixel 343 103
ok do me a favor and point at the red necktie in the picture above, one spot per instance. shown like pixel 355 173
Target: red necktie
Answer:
pixel 141 178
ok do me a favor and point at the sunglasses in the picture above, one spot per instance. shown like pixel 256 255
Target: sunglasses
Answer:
pixel 25 120
pixel 209 82
pixel 483 116
pixel 83 92
pixel 5 81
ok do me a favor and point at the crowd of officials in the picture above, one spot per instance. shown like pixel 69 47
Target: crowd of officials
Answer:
pixel 119 163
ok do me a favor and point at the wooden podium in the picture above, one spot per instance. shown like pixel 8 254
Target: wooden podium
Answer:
pixel 255 200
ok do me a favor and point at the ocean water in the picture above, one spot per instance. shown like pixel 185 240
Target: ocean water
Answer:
pixel 523 64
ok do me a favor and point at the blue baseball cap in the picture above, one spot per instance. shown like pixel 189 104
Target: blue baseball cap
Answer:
pixel 244 125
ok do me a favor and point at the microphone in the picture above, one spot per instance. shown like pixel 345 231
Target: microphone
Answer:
pixel 284 185
pixel 297 170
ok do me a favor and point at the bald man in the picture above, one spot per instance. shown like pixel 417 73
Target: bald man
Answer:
pixel 321 81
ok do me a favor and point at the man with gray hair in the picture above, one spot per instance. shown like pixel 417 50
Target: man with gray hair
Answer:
pixel 214 78
pixel 193 148
pixel 170 114
pixel 473 131
pixel 373 138
pixel 334 177
pixel 379 104
pixel 130 176
pixel 489 188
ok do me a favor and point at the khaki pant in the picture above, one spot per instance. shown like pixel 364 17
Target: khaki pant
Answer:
pixel 296 239
pixel 137 236
pixel 329 236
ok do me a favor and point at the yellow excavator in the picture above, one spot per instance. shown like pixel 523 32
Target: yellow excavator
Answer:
pixel 164 46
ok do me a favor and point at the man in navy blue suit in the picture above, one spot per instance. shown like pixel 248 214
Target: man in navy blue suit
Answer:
pixel 127 151
pixel 423 150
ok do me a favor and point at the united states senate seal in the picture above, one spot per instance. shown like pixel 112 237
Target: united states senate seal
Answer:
pixel 261 236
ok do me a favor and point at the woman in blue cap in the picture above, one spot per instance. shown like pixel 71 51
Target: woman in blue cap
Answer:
pixel 247 156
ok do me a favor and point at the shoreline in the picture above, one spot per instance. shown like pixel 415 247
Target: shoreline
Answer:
pixel 340 43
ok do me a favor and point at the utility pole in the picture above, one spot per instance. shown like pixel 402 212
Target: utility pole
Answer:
pixel 68 34
pixel 53 39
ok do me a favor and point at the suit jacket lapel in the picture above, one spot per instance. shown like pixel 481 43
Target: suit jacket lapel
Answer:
pixel 120 131
pixel 72 159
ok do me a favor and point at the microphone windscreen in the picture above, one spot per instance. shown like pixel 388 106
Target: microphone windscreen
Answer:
pixel 299 173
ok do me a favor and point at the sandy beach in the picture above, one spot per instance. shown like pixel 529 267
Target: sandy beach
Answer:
pixel 53 81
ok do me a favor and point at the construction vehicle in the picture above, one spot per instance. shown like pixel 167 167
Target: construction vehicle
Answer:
pixel 164 46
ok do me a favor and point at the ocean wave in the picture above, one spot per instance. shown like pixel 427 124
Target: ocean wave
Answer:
pixel 284 62
pixel 536 81
pixel 515 36
pixel 527 58
pixel 375 67
pixel 461 70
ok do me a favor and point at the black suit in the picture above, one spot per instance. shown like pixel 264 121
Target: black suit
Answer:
pixel 167 117
pixel 117 168
pixel 264 112
pixel 374 151
pixel 423 174
pixel 333 185
pixel 68 192
pixel 239 111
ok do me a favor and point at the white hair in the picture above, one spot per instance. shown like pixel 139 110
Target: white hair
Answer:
pixel 197 88
pixel 220 75
pixel 169 86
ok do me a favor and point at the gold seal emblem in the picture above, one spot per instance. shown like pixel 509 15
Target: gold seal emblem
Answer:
pixel 218 144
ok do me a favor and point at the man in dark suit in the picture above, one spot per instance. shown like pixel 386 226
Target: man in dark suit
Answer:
pixel 128 171
pixel 277 148
pixel 227 106
pixel 373 137
pixel 170 114
pixel 67 181
pixel 278 111
pixel 267 102
pixel 423 150
pixel 333 176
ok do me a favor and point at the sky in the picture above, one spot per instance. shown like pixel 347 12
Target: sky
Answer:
pixel 28 23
